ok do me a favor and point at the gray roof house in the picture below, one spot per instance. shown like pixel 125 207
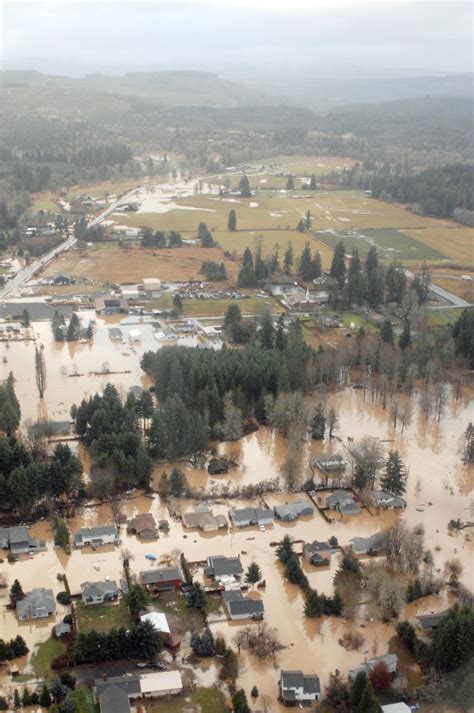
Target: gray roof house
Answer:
pixel 390 661
pixel 61 629
pixel 205 520
pixel 318 553
pixel 163 579
pixel 240 607
pixel 99 592
pixel 343 502
pixel 368 545
pixel 292 511
pixel 430 622
pixel 18 541
pixel 37 604
pixel 96 536
pixel 220 566
pixel 114 694
pixel 251 516
pixel 299 689
pixel 387 501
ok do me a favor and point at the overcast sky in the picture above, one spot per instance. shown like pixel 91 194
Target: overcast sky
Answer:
pixel 231 38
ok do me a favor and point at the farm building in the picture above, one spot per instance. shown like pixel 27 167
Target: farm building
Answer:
pixel 99 592
pixel 61 279
pixel 161 580
pixel 160 622
pixel 152 286
pixel 111 305
pixel 96 536
pixel 37 604
pixel 299 689
pixel 292 511
pixel 239 607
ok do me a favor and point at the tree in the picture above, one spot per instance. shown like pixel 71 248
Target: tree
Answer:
pixel 453 639
pixel 380 678
pixel 74 328
pixel 16 592
pixel 394 478
pixel 318 423
pixel 300 226
pixel 469 444
pixel 367 455
pixel 395 282
pixel 25 318
pixel 45 697
pixel 232 220
pixel 308 220
pixel 288 259
pixel 204 235
pixel 285 550
pixel 137 600
pixel 16 699
pixel 349 563
pixel 232 425
pixel 3 703
pixel 254 692
pixel 40 370
pixel 290 183
pixel 306 265
pixel 247 275
pixel 26 697
pixel 280 335
pixel 338 264
pixel 197 597
pixel 363 698
pixel 463 335
pixel 386 332
pixel 230 666
pixel 61 533
pixel 375 287
pixel 253 574
pixel 244 187
pixel 312 182
pixel 316 265
pixel 337 693
pixel 203 645
pixel 313 607
pixel 239 702
pixel 332 422
pixel 177 303
pixel 178 483
pixel 405 338
pixel 267 332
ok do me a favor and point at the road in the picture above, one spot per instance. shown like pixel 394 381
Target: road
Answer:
pixel 30 270
pixel 444 294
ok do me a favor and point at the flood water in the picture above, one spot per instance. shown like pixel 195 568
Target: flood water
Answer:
pixel 439 488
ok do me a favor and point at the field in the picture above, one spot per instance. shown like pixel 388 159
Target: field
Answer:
pixel 101 617
pixel 200 700
pixel 101 188
pixel 215 308
pixel 107 262
pixel 242 239
pixel 303 165
pixel 390 243
pixel 43 202
pixel 44 655
pixel 455 242
pixel 460 288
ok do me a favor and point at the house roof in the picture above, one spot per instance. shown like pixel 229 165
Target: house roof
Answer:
pixel 237 604
pixel 293 510
pixel 165 574
pixel 381 496
pixel 316 546
pixel 158 619
pixel 128 684
pixel 429 621
pixel 343 501
pixel 35 600
pixel 396 708
pixel 222 566
pixel 62 628
pixel 364 544
pixel 297 679
pixel 334 462
pixel 160 681
pixel 251 514
pixel 17 535
pixel 95 532
pixel 390 660
pixel 142 522
pixel 94 589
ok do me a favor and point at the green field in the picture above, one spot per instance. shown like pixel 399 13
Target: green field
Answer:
pixel 101 617
pixel 200 700
pixel 390 243
pixel 44 655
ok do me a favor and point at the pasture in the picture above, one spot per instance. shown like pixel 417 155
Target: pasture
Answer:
pixel 390 243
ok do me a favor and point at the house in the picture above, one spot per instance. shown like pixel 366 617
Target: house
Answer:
pixel 110 305
pixel 299 689
pixel 317 553
pixel 251 516
pixel 152 286
pixel 390 661
pixel 343 502
pixel 96 536
pixel 239 607
pixel 115 693
pixel 61 629
pixel 61 279
pixel 161 580
pixel 387 501
pixel 129 292
pixel 18 541
pixel 396 708
pixel 372 545
pixel 160 622
pixel 292 511
pixel 430 622
pixel 144 526
pixel 220 567
pixel 329 463
pixel 115 333
pixel 217 466
pixel 203 519
pixel 99 592
pixel 37 604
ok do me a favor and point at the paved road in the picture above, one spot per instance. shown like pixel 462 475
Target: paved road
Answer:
pixel 28 272
pixel 444 294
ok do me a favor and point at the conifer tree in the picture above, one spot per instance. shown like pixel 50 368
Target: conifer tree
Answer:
pixel 232 220
pixel 394 477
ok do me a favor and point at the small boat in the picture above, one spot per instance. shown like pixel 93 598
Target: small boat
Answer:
pixel 150 557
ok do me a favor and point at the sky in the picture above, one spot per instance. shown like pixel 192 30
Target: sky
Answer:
pixel 233 38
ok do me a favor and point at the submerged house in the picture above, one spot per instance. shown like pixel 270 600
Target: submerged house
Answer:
pixel 343 502
pixel 203 519
pixel 144 526
pixel 239 607
pixel 18 540
pixel 164 579
pixel 99 592
pixel 317 553
pixel 292 511
pixel 387 501
pixel 299 689
pixel 390 661
pixel 37 604
pixel 251 516
pixel 430 622
pixel 372 545
pixel 220 568
pixel 96 536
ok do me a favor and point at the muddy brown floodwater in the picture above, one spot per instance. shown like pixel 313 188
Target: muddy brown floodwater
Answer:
pixel 440 488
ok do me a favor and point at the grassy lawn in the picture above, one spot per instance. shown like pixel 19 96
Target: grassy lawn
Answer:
pixel 201 700
pixel 443 317
pixel 360 321
pixel 45 204
pixel 102 617
pixel 389 242
pixel 43 656
pixel 216 308
pixel 177 605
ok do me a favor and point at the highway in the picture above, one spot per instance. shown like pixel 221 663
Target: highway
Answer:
pixel 30 270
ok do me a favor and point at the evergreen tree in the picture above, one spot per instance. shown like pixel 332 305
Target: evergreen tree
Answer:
pixel 316 265
pixel 280 335
pixel 26 697
pixel 239 702
pixel 230 666
pixel 244 187
pixel 25 318
pixel 386 332
pixel 453 640
pixel 204 235
pixel 247 276
pixel 313 607
pixel 45 697
pixel 74 328
pixel 288 259
pixel 285 550
pixel 394 477
pixel 197 597
pixel 463 334
pixel 355 280
pixel 178 483
pixel 373 279
pixel 137 600
pixel 308 220
pixel 469 444
pixel 338 265
pixel 16 699
pixel 395 282
pixel 306 265
pixel 300 226
pixel 318 423
pixel 232 220
pixel 253 574
pixel 290 183
pixel 312 183
pixel 177 303
pixel 232 424
pixel 405 338
pixel 349 563
pixel 254 692
pixel 266 333
pixel 363 699
pixel 16 592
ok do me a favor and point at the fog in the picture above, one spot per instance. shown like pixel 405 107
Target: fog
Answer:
pixel 311 37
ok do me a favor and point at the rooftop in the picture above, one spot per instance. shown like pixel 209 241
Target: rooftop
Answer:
pixel 166 574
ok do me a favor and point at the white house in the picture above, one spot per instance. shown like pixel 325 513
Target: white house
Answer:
pixel 99 592
pixel 299 688
pixel 96 536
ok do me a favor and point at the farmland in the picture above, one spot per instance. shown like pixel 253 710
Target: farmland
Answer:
pixel 389 242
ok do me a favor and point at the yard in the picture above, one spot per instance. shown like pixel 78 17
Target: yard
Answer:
pixel 44 655
pixel 177 605
pixel 200 700
pixel 216 308
pixel 102 617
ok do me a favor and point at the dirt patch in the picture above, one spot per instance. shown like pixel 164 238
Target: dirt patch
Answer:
pixel 109 263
